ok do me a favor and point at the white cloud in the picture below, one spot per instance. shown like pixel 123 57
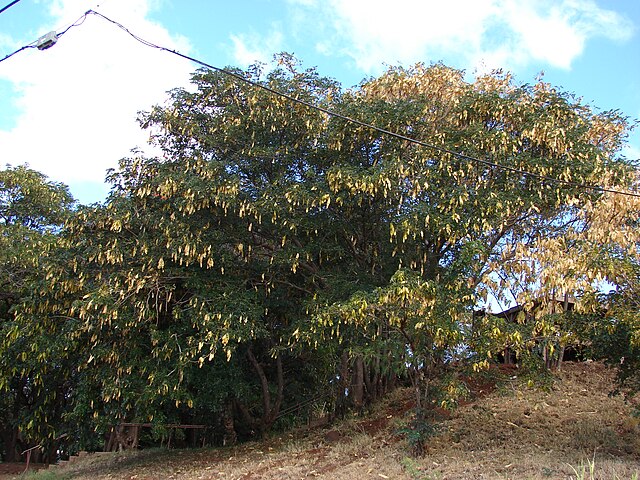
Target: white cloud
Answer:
pixel 511 32
pixel 6 42
pixel 404 30
pixel 78 100
pixel 251 48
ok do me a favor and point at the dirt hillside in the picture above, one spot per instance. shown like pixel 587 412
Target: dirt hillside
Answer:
pixel 509 431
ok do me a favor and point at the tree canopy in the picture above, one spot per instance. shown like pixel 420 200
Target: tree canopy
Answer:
pixel 277 256
pixel 32 210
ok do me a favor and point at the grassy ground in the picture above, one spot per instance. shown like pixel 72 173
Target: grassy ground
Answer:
pixel 575 430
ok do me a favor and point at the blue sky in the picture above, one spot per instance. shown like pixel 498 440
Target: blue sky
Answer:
pixel 70 111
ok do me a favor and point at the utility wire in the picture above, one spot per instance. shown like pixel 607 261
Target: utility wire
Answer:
pixel 355 121
pixel 346 118
pixel 17 51
pixel 77 23
pixel 34 44
pixel 6 7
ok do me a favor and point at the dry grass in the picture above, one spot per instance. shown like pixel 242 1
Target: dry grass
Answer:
pixel 573 431
pixel 533 434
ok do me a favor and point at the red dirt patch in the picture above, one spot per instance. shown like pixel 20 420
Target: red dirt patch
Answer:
pixel 371 427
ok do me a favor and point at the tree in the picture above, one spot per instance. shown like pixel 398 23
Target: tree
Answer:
pixel 188 260
pixel 462 222
pixel 608 253
pixel 270 232
pixel 32 210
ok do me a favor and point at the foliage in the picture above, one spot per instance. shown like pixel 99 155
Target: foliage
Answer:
pixel 418 430
pixel 274 250
pixel 609 323
pixel 32 209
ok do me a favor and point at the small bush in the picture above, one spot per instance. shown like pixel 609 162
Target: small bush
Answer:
pixel 419 430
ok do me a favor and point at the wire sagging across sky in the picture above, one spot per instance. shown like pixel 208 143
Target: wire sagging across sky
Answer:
pixel 7 7
pixel 348 119
pixel 355 121
pixel 34 44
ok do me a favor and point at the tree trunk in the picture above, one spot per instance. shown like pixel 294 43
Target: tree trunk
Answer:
pixel 358 384
pixel 230 436
pixel 247 418
pixel 369 385
pixel 376 380
pixel 10 442
pixel 269 410
pixel 343 385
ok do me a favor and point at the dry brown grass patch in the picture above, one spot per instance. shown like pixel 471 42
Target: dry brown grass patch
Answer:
pixel 513 432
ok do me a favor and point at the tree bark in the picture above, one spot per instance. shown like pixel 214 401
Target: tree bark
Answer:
pixel 10 442
pixel 230 436
pixel 270 409
pixel 343 385
pixel 358 384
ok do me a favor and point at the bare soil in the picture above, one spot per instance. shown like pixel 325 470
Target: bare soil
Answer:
pixel 506 431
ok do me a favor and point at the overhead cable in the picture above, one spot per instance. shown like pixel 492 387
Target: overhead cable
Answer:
pixel 17 51
pixel 355 121
pixel 352 120
pixel 35 44
pixel 6 7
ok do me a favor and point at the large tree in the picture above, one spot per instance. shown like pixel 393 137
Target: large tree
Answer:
pixel 280 249
pixel 32 210
pixel 492 170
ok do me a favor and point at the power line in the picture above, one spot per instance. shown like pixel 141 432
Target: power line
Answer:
pixel 355 121
pixel 349 119
pixel 6 7
pixel 34 44
pixel 77 23
pixel 17 51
